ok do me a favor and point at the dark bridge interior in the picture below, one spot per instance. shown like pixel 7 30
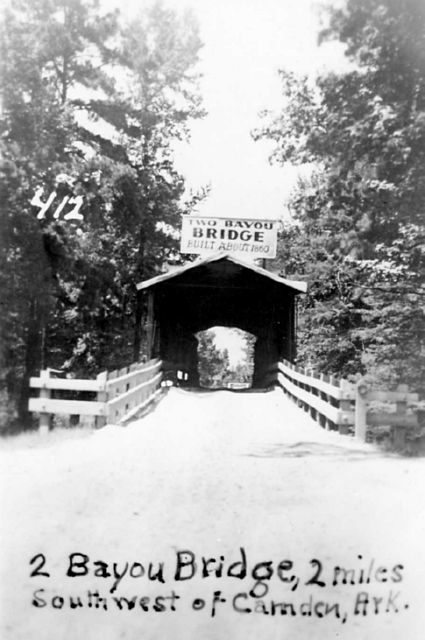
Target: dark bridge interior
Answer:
pixel 220 290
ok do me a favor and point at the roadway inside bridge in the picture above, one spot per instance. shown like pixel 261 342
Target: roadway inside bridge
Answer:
pixel 211 474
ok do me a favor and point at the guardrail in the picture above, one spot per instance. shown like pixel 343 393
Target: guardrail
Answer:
pixel 399 420
pixel 328 399
pixel 131 390
pixel 118 395
pixel 339 404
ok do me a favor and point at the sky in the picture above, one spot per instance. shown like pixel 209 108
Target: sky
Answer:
pixel 245 43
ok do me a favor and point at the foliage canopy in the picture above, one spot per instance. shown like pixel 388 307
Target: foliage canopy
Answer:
pixel 91 107
pixel 359 235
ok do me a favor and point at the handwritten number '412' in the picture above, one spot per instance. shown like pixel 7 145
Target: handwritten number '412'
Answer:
pixel 44 206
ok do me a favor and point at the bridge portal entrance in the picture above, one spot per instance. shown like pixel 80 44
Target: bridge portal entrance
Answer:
pixel 220 290
pixel 225 358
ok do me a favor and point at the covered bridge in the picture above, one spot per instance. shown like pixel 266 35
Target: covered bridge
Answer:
pixel 220 291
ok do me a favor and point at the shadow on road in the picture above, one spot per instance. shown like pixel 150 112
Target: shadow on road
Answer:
pixel 325 450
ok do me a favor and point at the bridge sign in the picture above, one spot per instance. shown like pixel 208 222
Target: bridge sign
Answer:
pixel 249 237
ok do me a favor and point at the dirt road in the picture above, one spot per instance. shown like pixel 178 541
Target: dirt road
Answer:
pixel 304 533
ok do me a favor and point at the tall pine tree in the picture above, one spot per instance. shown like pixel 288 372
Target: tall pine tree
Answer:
pixel 90 107
pixel 359 235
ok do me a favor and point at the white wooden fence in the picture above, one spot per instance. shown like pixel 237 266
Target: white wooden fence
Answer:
pixel 130 390
pixel 334 403
pixel 327 399
pixel 119 394
pixel 339 404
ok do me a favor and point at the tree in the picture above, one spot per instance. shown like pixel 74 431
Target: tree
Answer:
pixel 360 236
pixel 214 364
pixel 42 44
pixel 243 370
pixel 91 107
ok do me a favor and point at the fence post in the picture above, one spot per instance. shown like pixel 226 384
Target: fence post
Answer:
pixel 44 421
pixel 102 396
pixel 344 405
pixel 399 432
pixel 335 382
pixel 323 421
pixel 361 410
pixel 312 374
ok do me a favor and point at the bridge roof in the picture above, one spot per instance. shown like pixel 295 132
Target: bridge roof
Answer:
pixel 297 285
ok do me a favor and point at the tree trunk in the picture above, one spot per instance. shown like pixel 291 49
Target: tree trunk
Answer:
pixel 138 310
pixel 33 359
pixel 138 315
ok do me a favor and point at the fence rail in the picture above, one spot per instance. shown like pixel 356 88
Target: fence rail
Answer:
pixel 334 403
pixel 340 404
pixel 327 399
pixel 130 391
pixel 119 394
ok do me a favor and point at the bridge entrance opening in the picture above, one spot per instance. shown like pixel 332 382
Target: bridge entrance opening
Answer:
pixel 224 291
pixel 225 358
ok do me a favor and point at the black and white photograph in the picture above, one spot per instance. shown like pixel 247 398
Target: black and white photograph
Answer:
pixel 212 320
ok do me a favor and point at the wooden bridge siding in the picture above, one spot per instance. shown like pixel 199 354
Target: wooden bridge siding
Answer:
pixel 179 311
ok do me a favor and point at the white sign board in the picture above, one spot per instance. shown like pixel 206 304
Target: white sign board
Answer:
pixel 248 237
